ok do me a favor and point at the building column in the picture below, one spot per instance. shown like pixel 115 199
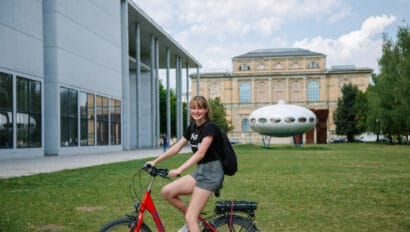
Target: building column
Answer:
pixel 187 95
pixel 178 95
pixel 157 109
pixel 52 131
pixel 168 100
pixel 125 74
pixel 153 91
pixel 138 83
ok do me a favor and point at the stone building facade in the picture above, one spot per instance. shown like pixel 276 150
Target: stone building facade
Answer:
pixel 265 76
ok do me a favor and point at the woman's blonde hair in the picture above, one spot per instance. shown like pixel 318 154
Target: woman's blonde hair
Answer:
pixel 202 103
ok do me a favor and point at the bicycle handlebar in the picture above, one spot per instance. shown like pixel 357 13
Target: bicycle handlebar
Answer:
pixel 154 171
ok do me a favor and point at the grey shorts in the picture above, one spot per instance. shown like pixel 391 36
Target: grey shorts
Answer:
pixel 209 176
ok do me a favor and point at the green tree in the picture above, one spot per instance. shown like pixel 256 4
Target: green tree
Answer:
pixel 392 87
pixel 373 114
pixel 163 109
pixel 347 113
pixel 218 114
pixel 404 76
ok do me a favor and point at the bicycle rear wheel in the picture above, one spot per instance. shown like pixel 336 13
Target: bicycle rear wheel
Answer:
pixel 123 224
pixel 239 224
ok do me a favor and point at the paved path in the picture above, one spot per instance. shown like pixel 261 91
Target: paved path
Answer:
pixel 30 166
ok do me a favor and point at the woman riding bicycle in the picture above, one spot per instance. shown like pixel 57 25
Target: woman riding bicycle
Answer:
pixel 208 176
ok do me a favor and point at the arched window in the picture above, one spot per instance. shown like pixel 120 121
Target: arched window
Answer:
pixel 244 93
pixel 313 91
pixel 244 67
pixel 313 65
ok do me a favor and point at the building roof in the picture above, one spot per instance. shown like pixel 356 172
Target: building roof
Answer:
pixel 278 52
pixel 149 27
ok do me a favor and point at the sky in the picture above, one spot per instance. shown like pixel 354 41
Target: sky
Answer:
pixel 348 32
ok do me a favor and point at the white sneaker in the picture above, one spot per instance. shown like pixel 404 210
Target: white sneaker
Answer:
pixel 185 228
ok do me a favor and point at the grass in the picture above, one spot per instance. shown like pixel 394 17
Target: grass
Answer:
pixel 337 187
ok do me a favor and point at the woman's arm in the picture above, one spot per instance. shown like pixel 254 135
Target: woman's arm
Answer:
pixel 170 152
pixel 194 159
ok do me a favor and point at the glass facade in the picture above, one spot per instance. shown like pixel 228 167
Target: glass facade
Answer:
pixel 85 119
pixel 97 114
pixel 28 113
pixel 69 117
pixel 115 121
pixel 102 120
pixel 6 110
pixel 87 123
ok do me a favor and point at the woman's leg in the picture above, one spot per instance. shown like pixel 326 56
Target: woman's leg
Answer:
pixel 198 201
pixel 182 186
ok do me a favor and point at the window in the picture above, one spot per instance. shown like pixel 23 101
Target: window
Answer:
pixel 275 120
pixel 244 67
pixel 262 120
pixel 245 125
pixel 289 119
pixel 28 113
pixel 115 120
pixel 6 110
pixel 87 124
pixel 244 93
pixel 313 65
pixel 102 120
pixel 69 117
pixel 313 91
pixel 302 119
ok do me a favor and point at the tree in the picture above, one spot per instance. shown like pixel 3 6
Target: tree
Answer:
pixel 218 114
pixel 347 112
pixel 392 87
pixel 404 76
pixel 373 113
pixel 163 109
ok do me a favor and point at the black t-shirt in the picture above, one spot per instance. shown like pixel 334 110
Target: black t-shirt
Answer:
pixel 195 135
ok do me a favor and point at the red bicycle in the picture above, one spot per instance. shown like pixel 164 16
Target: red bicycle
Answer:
pixel 229 215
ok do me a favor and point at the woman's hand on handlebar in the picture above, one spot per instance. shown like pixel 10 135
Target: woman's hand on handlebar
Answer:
pixel 150 164
pixel 174 173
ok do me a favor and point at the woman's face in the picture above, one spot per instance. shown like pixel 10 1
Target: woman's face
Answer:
pixel 198 113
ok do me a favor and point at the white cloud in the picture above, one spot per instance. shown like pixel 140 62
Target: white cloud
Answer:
pixel 243 17
pixel 361 47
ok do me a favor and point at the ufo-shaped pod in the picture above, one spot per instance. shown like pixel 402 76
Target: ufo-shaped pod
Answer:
pixel 282 120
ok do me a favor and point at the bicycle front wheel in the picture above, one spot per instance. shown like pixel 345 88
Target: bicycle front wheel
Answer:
pixel 238 224
pixel 123 224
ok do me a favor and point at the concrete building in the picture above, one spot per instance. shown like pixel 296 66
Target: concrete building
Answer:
pixel 83 76
pixel 265 76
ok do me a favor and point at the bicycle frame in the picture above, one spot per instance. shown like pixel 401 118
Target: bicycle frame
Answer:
pixel 148 204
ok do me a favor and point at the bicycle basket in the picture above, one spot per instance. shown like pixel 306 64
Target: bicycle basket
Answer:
pixel 222 207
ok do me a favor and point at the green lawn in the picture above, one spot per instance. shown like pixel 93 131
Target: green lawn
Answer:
pixel 337 187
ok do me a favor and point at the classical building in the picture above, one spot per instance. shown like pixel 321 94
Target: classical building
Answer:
pixel 82 76
pixel 265 76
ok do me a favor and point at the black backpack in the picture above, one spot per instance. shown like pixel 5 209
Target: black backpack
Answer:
pixel 228 156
